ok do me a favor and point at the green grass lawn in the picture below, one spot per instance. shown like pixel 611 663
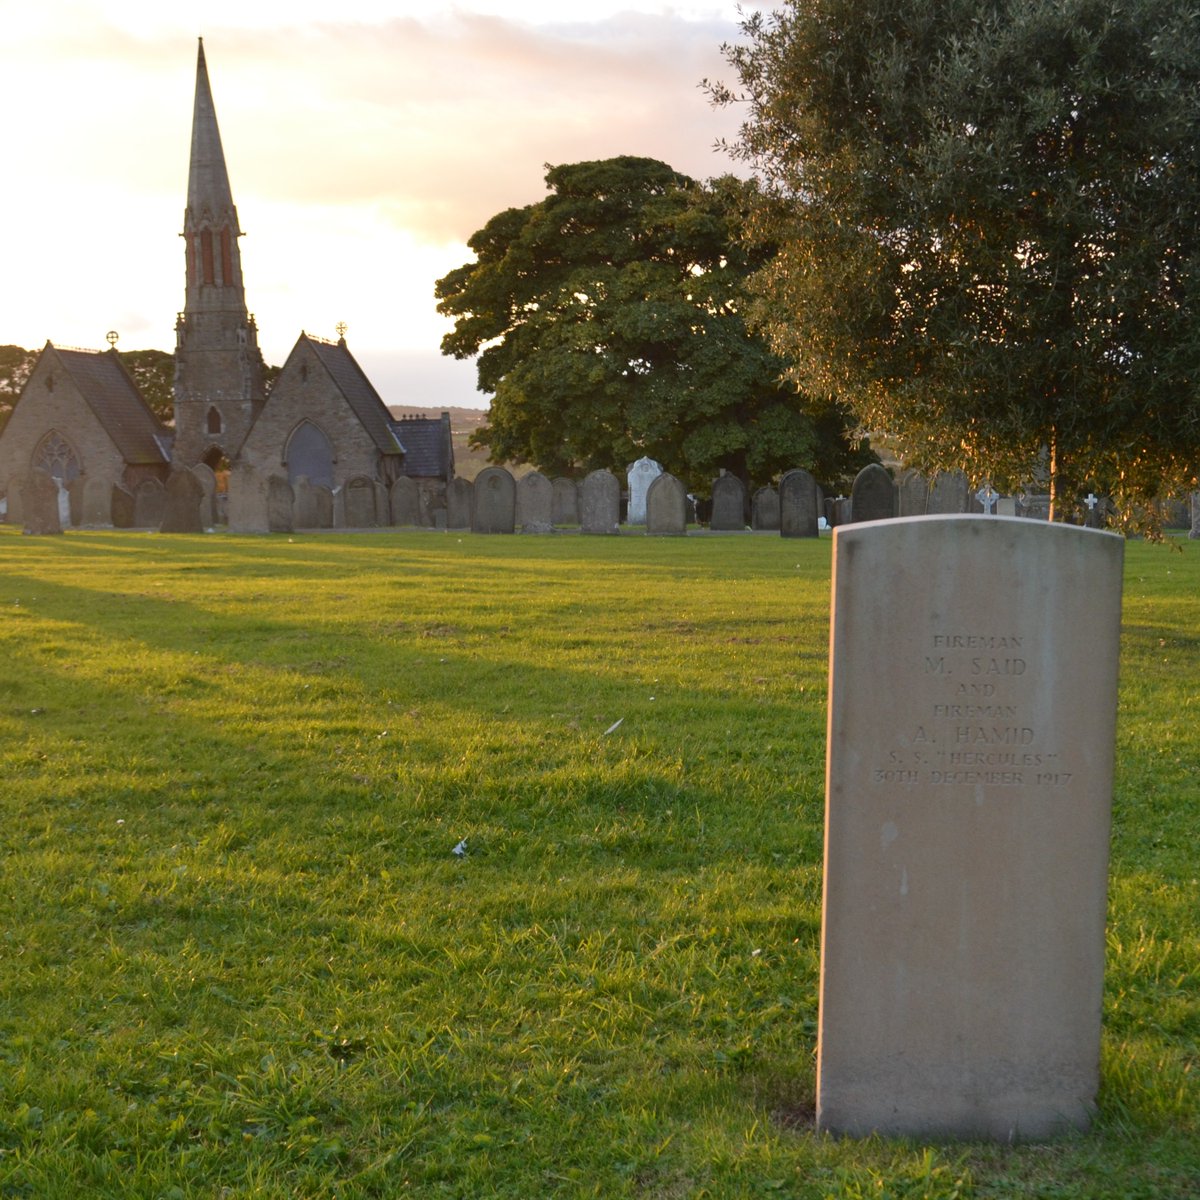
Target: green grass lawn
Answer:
pixel 240 958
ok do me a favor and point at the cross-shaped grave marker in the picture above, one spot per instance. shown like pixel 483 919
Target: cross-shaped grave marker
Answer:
pixel 987 496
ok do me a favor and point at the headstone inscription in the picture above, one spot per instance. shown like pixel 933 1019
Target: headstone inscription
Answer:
pixel 39 504
pixel 873 494
pixel 798 504
pixel 728 504
pixel 185 494
pixel 495 502
pixel 966 829
pixel 666 507
pixel 535 502
pixel 600 503
pixel 640 476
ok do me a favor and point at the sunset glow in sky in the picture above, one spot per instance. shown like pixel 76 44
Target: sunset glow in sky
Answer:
pixel 365 140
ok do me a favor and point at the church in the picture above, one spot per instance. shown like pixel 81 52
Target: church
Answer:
pixel 318 448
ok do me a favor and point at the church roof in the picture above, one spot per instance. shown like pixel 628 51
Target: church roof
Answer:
pixel 360 393
pixel 109 391
pixel 429 452
pixel 208 179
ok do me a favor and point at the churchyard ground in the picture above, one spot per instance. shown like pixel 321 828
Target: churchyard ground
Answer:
pixel 241 958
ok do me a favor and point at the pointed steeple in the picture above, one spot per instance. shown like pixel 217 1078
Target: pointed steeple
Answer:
pixel 218 366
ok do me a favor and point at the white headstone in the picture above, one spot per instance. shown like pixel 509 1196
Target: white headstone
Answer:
pixel 640 476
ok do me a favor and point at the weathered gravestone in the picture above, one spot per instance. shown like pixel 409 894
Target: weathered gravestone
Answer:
pixel 873 494
pixel 640 476
pixel 972 707
pixel 323 504
pixel 912 495
pixel 358 498
pixel 764 509
pixel 666 507
pixel 535 503
pixel 208 506
pixel 181 512
pixel 281 505
pixel 123 506
pixel 97 502
pixel 728 504
pixel 1195 530
pixel 459 500
pixel 495 502
pixel 305 506
pixel 949 493
pixel 564 509
pixel 600 503
pixel 149 504
pixel 13 494
pixel 39 504
pixel 247 504
pixel 798 504
pixel 406 501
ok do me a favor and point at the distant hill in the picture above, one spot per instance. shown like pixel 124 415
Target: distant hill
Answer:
pixel 463 422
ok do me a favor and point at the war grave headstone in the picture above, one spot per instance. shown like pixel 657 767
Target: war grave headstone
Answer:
pixel 600 502
pixel 359 501
pixel 764 509
pixel 797 504
pixel 122 507
pixel 728 504
pixel 495 502
pixel 873 494
pixel 181 511
pixel 149 504
pixel 666 507
pixel 459 499
pixel 247 508
pixel 281 505
pixel 565 507
pixel 535 502
pixel 966 827
pixel 39 504
pixel 405 502
pixel 639 478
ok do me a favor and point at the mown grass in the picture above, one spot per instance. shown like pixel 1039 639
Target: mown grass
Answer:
pixel 239 957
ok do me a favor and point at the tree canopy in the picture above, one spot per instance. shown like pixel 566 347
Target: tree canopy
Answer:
pixel 608 324
pixel 986 221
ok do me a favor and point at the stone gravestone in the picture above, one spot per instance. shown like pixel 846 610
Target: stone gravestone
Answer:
pixel 535 503
pixel 912 495
pixel 600 503
pixel 39 504
pixel 972 714
pixel 208 506
pixel 948 493
pixel 728 504
pixel 14 493
pixel 97 503
pixel 184 496
pixel 666 507
pixel 122 507
pixel 406 502
pixel 764 509
pixel 247 505
pixel 495 502
pixel 565 508
pixel 1195 530
pixel 798 505
pixel 359 500
pixel 640 476
pixel 149 504
pixel 872 495
pixel 281 505
pixel 459 501
pixel 323 504
pixel 305 506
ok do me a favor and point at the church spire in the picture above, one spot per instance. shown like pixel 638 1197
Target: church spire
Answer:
pixel 218 366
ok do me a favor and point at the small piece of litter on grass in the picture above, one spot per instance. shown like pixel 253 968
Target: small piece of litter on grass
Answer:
pixel 460 849
pixel 613 727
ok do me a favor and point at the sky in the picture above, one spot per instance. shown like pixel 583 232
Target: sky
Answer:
pixel 366 140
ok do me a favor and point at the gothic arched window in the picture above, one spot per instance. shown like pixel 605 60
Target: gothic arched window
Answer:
pixel 54 456
pixel 309 453
pixel 214 420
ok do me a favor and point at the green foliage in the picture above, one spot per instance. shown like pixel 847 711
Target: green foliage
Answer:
pixel 240 956
pixel 985 217
pixel 154 373
pixel 15 366
pixel 607 321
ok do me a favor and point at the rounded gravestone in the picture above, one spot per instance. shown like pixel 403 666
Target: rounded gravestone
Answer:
pixel 600 503
pixel 728 504
pixel 535 503
pixel 495 502
pixel 184 497
pixel 873 496
pixel 640 476
pixel 764 509
pixel 460 499
pixel 798 504
pixel 405 502
pixel 39 504
pixel 666 507
pixel 565 507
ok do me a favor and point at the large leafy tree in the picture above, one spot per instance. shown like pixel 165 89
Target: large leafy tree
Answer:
pixel 607 320
pixel 987 218
pixel 15 365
